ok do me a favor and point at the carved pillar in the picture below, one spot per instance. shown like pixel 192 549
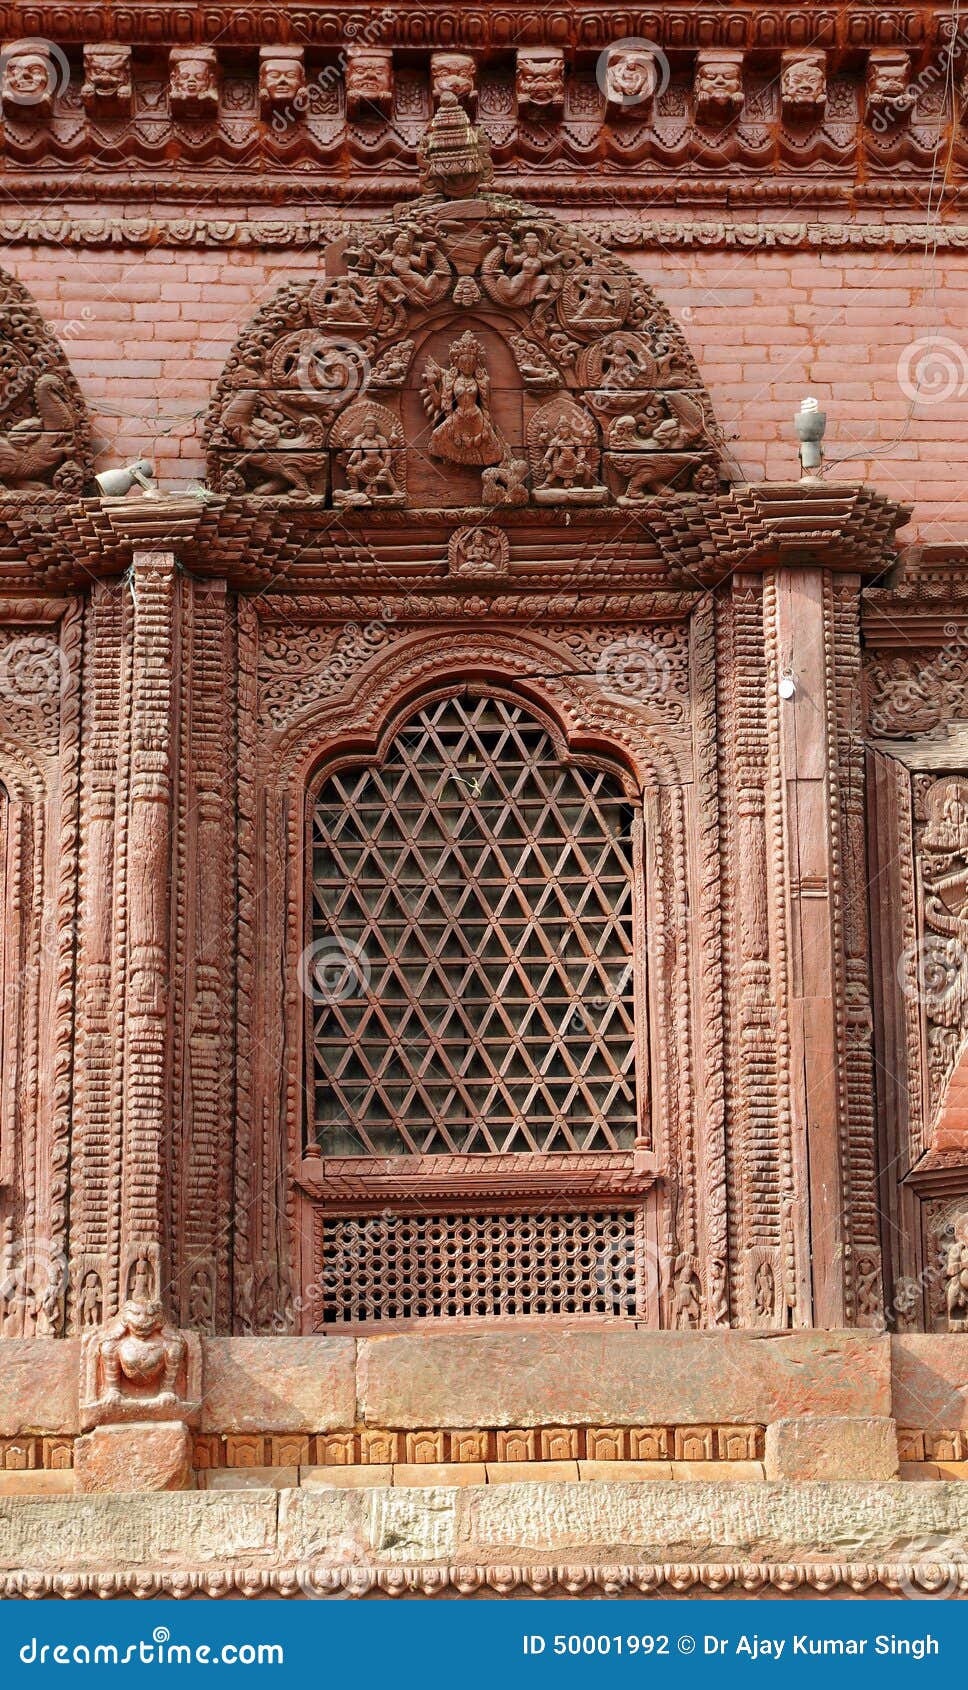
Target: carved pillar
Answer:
pixel 816 774
pixel 146 1077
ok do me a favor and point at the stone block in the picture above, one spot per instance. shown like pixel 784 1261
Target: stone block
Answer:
pixel 39 1385
pixel 916 1471
pixel 831 1447
pixel 337 1526
pixel 148 1456
pixel 439 1473
pixel 607 1377
pixel 717 1470
pixel 344 1478
pixel 162 1529
pixel 929 1380
pixel 38 1483
pixel 521 1472
pixel 278 1384
pixel 249 1478
pixel 951 1469
pixel 617 1472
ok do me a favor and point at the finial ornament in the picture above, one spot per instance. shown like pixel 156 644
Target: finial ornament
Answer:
pixel 454 157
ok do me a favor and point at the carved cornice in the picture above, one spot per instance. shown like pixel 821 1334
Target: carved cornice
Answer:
pixel 252 540
pixel 343 1182
pixel 741 1578
pixel 629 235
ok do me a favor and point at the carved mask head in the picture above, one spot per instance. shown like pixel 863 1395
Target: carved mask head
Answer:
pixel 28 75
pixel 107 71
pixel 631 76
pixel 192 77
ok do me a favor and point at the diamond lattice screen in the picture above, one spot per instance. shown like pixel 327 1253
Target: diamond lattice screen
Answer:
pixel 472 932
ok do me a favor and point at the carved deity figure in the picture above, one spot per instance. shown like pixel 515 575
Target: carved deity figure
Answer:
pixel 686 1295
pixel 630 77
pixel 139 1352
pixel 411 271
pixel 456 74
pixel 956 1275
pixel 478 551
pixel 106 90
pixel 803 84
pixel 519 270
pixel 29 81
pixel 457 399
pixel 540 80
pixel 369 462
pixel 282 79
pixel 369 81
pixel 89 1301
pixel 763 1291
pixel 193 82
pixel 718 88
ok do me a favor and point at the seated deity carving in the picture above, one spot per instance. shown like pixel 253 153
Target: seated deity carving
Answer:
pixel 371 456
pixel 457 399
pixel 594 301
pixel 138 1367
pixel 564 454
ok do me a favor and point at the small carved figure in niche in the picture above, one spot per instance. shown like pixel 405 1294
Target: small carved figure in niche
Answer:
pixel 889 94
pixel 372 439
pixel 457 399
pixel 89 1300
pixel 593 300
pixel 535 369
pixel 564 453
pixel 201 1300
pixel 956 1274
pixel 540 81
pixel 803 83
pixel 338 300
pixel 106 90
pixel 617 364
pixel 506 483
pixel 33 447
pixel 139 1351
pixel 866 1286
pixel 518 270
pixel 718 88
pixel 763 1291
pixel 629 77
pixel 141 1280
pixel 193 82
pixel 282 80
pixel 412 271
pixel 30 80
pixel 478 551
pixel 282 459
pixel 686 1294
pixel 456 74
pixel 369 81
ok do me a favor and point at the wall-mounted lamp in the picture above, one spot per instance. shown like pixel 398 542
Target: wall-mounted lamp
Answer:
pixel 810 423
pixel 787 685
pixel 115 483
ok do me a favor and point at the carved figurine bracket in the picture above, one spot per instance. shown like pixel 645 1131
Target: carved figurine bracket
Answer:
pixel 136 1367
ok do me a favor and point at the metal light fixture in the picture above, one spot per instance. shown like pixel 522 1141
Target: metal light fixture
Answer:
pixel 810 423
pixel 115 483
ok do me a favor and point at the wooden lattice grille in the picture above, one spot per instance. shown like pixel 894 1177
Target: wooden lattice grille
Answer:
pixel 470 979
pixel 475 1266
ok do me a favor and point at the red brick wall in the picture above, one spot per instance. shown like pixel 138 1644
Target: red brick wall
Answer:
pixel 148 332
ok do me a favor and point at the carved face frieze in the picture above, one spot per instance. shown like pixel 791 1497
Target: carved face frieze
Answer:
pixel 629 77
pixel 803 84
pixel 107 90
pixel 29 81
pixel 369 81
pixel 540 83
pixel 193 82
pixel 454 73
pixel 282 79
pixel 718 88
pixel 888 91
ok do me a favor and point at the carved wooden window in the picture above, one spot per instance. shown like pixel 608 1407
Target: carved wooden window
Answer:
pixel 474 1005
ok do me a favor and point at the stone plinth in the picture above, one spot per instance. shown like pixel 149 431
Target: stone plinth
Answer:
pixel 823 1446
pixel 147 1456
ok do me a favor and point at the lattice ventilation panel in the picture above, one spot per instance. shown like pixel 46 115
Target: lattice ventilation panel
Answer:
pixel 372 1269
pixel 470 968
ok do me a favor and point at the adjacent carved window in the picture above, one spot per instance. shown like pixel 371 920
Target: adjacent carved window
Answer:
pixel 470 965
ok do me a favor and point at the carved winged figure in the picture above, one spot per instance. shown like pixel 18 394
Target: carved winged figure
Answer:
pixel 36 445
pixel 457 400
pixel 412 271
pixel 648 456
pixel 280 458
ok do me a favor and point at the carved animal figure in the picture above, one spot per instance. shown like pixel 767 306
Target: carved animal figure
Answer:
pixel 34 447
